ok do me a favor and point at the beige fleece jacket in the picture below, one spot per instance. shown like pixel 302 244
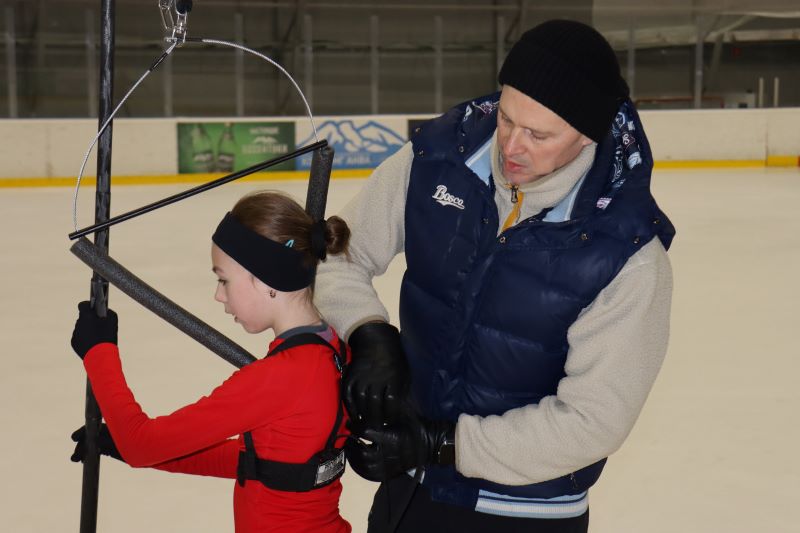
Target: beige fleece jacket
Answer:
pixel 617 344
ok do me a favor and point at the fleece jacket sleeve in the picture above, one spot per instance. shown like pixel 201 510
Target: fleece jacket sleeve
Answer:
pixel 344 293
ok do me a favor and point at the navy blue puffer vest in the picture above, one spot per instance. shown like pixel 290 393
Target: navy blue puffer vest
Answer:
pixel 484 318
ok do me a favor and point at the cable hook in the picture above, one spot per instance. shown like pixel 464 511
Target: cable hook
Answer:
pixel 177 26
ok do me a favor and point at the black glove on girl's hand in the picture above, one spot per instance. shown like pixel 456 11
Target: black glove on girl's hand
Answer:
pixel 393 450
pixel 91 330
pixel 105 444
pixel 376 381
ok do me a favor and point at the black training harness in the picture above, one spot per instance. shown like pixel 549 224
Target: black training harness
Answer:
pixel 323 468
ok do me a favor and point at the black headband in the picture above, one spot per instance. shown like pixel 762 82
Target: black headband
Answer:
pixel 279 266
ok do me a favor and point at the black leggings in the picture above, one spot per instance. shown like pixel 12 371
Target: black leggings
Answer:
pixel 423 515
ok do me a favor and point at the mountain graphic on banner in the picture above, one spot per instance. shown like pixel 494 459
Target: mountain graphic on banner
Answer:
pixel 355 146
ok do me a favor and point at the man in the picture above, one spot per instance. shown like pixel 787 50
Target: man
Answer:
pixel 535 306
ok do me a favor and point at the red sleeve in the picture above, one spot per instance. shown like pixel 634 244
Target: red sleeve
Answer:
pixel 255 395
pixel 220 460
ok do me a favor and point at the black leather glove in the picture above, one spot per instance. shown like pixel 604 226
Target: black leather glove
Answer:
pixel 91 330
pixel 376 382
pixel 105 444
pixel 393 450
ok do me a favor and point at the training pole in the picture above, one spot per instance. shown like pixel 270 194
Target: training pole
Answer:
pixel 99 286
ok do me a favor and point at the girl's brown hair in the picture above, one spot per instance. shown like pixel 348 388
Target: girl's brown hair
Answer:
pixel 278 217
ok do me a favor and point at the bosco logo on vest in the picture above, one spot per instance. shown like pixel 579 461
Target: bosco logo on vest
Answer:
pixel 445 198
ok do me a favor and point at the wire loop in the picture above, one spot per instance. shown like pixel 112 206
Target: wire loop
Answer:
pixel 175 43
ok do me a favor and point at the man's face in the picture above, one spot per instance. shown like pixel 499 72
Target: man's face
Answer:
pixel 532 140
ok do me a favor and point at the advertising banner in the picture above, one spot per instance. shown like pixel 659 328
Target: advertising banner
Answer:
pixel 358 143
pixel 231 146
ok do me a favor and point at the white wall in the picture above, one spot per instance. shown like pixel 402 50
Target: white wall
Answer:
pixel 783 131
pixel 723 134
pixel 739 134
pixel 41 148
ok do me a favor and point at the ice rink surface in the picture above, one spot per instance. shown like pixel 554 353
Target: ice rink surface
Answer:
pixel 715 448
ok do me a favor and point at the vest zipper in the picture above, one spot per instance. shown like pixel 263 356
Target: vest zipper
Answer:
pixel 516 210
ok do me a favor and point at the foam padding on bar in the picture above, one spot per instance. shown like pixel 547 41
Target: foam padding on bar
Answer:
pixel 163 307
pixel 318 182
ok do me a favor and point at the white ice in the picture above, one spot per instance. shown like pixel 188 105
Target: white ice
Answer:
pixel 715 448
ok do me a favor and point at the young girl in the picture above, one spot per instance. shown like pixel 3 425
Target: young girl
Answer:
pixel 284 409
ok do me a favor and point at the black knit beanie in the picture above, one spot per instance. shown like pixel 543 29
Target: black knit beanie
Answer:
pixel 571 69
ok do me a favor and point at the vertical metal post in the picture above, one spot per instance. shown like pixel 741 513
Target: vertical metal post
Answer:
pixel 99 286
pixel 776 90
pixel 632 60
pixel 91 65
pixel 166 72
pixel 278 52
pixel 374 63
pixel 760 102
pixel 438 63
pixel 297 41
pixel 238 31
pixel 698 66
pixel 716 57
pixel 39 87
pixel 308 58
pixel 11 62
pixel 500 45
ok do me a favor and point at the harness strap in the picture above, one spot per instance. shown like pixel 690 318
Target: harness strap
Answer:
pixel 247 459
pixel 323 468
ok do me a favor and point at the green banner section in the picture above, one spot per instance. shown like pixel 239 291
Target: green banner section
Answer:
pixel 231 146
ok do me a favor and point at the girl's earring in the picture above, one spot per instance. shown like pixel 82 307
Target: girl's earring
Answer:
pixel 272 293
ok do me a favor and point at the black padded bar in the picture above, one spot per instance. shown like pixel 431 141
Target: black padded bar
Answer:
pixel 159 304
pixel 318 181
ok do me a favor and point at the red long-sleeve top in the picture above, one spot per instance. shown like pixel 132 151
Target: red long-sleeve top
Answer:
pixel 288 401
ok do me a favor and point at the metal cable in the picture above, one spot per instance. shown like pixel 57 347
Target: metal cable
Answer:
pixel 147 73
pixel 273 62
pixel 105 125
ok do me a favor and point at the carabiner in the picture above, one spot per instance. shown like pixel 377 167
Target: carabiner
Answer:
pixel 176 25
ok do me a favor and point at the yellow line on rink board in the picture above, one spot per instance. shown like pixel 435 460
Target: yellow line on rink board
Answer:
pixel 787 161
pixel 771 161
pixel 745 163
pixel 166 179
pixel 783 161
